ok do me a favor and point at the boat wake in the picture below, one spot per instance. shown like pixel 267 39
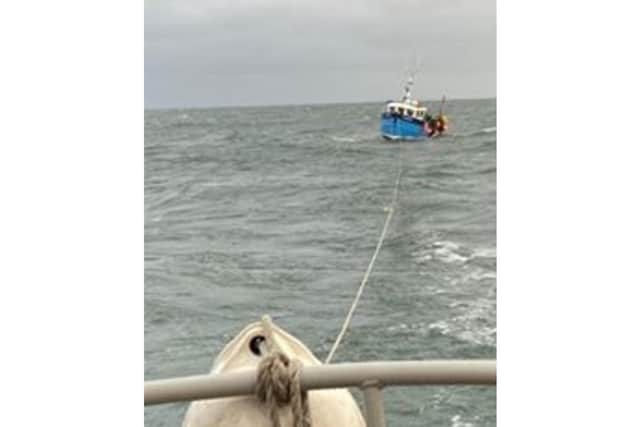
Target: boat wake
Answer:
pixel 478 132
pixel 360 137
pixel 342 138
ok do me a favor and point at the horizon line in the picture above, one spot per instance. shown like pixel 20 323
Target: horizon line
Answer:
pixel 295 104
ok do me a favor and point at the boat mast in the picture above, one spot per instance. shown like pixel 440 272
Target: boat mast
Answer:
pixel 407 89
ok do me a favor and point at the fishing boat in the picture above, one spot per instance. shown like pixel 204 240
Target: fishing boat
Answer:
pixel 409 120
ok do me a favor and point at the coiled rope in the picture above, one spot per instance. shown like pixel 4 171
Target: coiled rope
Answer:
pixel 278 382
pixel 390 209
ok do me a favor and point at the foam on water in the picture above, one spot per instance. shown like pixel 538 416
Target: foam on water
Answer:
pixel 443 251
pixel 484 253
pixel 342 138
pixel 457 421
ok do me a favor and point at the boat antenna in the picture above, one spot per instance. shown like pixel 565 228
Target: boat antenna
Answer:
pixel 411 74
pixel 407 88
pixel 442 103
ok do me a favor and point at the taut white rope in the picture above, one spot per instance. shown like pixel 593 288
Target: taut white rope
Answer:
pixel 347 320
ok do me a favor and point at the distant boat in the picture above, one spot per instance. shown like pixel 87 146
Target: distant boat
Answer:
pixel 408 120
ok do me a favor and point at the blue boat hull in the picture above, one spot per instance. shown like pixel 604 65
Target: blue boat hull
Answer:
pixel 401 128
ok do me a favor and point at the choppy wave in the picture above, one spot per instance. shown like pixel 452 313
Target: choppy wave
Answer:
pixel 277 210
pixel 470 328
pixel 465 329
pixel 443 251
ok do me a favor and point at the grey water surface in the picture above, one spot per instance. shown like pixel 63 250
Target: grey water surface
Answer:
pixel 277 210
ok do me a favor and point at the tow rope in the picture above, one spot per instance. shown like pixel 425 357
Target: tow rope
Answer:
pixel 390 209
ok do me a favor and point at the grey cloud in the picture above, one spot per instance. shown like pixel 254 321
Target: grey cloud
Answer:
pixel 200 53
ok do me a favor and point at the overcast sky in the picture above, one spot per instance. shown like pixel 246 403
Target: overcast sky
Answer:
pixel 264 52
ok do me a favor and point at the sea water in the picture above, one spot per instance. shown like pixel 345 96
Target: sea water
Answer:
pixel 277 210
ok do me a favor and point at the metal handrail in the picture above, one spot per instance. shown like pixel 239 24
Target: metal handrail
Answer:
pixel 363 375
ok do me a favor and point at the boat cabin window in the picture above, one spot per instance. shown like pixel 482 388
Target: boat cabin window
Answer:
pixel 401 111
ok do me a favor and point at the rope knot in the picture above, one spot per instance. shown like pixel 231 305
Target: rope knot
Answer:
pixel 278 386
